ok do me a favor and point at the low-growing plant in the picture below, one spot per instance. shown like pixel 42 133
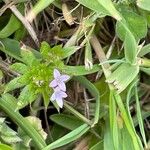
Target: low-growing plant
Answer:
pixel 87 87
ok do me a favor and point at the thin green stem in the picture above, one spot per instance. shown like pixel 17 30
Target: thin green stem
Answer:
pixel 77 114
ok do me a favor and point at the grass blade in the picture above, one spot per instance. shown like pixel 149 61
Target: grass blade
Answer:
pixel 139 116
pixel 75 134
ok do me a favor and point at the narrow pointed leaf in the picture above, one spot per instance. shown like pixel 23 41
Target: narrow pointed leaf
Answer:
pixel 75 134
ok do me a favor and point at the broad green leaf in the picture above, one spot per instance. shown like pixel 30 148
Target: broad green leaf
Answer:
pixel 130 48
pixel 11 47
pixel 26 97
pixel 5 147
pixel 19 67
pixel 135 23
pixel 95 6
pixel 80 70
pixel 44 49
pixel 20 33
pixel 66 121
pixel 13 84
pixel 28 56
pixel 56 133
pixel 73 135
pixel 109 6
pixel 123 76
pixel 144 4
pixel 8 135
pixel 11 27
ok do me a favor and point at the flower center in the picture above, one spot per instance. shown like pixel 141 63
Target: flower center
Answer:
pixel 59 80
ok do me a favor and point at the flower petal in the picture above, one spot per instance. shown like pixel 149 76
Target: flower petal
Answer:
pixel 53 97
pixel 60 102
pixel 62 86
pixel 53 83
pixel 56 73
pixel 57 89
pixel 63 94
pixel 64 77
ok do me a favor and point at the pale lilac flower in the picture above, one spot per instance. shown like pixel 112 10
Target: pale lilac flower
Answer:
pixel 58 96
pixel 59 80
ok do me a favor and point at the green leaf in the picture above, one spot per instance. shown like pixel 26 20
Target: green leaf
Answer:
pixel 26 97
pixel 44 49
pixel 11 27
pixel 24 124
pixel 73 135
pixel 10 99
pixel 8 135
pixel 113 121
pixel 139 116
pixel 28 56
pixel 95 6
pixel 46 96
pixel 5 147
pixel 56 133
pixel 135 23
pixel 130 48
pixel 144 4
pixel 123 76
pixel 135 139
pixel 11 47
pixel 144 50
pixel 19 67
pixel 66 121
pixel 80 70
pixel 126 140
pixel 68 51
pixel 109 6
pixel 13 84
pixel 108 141
pixel 145 70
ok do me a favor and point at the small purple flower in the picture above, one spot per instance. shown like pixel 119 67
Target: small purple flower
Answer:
pixel 58 96
pixel 59 80
pixel 59 87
